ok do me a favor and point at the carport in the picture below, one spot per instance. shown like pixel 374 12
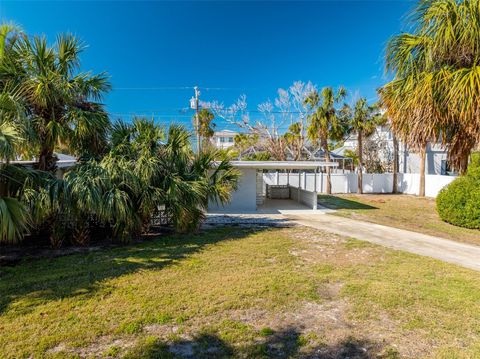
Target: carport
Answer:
pixel 258 192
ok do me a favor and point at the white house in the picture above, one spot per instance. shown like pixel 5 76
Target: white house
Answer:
pixel 223 139
pixel 409 162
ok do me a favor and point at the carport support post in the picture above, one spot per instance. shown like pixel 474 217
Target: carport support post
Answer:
pixel 299 185
pixel 276 177
pixel 288 177
pixel 315 180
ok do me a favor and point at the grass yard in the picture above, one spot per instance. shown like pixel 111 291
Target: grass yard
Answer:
pixel 401 211
pixel 233 292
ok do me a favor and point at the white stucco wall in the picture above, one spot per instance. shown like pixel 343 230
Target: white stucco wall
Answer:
pixel 244 199
pixel 308 198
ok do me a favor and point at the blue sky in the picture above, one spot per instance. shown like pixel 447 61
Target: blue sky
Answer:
pixel 153 49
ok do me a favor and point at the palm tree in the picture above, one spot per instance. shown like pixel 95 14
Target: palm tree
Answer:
pixel 295 139
pixel 326 122
pixel 206 127
pixel 9 32
pixel 415 119
pixel 59 101
pixel 169 174
pixel 146 140
pixel 363 122
pixel 191 182
pixel 11 134
pixel 23 196
pixel 435 95
pixel 14 215
pixel 106 191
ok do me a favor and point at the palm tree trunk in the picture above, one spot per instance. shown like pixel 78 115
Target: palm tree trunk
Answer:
pixel 423 159
pixel 360 162
pixel 395 165
pixel 46 160
pixel 329 175
pixel 463 165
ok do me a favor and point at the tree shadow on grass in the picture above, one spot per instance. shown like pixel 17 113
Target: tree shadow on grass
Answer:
pixel 334 202
pixel 286 343
pixel 81 274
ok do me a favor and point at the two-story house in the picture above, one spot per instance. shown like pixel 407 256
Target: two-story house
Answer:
pixel 223 139
pixel 409 161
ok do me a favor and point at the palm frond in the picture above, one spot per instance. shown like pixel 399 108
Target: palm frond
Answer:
pixel 14 218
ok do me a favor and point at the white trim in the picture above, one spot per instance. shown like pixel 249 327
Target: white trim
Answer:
pixel 278 165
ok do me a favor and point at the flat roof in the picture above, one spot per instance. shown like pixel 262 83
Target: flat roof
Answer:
pixel 225 132
pixel 281 165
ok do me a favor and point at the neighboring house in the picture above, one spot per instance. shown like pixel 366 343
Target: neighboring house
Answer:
pixel 223 139
pixel 63 164
pixel 409 161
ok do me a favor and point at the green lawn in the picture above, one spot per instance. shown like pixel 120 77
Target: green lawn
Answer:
pixel 235 292
pixel 401 211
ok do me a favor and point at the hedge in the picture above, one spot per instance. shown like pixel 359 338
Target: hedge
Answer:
pixel 459 202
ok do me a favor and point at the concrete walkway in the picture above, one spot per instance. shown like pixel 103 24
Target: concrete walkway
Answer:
pixel 465 255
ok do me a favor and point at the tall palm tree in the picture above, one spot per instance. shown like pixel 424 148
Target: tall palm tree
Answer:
pixel 14 215
pixel 363 121
pixel 60 102
pixel 415 119
pixel 326 122
pixel 295 140
pixel 435 95
pixel 206 127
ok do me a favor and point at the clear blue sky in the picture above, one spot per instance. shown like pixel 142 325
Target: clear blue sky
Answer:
pixel 242 47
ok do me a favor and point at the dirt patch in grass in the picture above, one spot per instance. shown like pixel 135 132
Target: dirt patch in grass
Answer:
pixel 104 346
pixel 400 211
pixel 323 247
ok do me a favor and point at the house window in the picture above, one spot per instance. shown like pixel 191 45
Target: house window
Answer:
pixel 445 169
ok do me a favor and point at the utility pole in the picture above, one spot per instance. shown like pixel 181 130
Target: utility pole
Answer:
pixel 194 105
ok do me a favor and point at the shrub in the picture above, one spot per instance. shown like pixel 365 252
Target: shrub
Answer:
pixel 459 202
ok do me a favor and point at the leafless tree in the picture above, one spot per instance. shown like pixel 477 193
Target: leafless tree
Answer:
pixel 287 114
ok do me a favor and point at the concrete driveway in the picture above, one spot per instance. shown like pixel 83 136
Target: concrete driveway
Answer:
pixel 465 255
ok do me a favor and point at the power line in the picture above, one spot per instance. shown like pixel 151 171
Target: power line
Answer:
pixel 167 88
pixel 183 110
pixel 147 114
pixel 153 88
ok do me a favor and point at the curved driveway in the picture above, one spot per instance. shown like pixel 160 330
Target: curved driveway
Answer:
pixel 465 255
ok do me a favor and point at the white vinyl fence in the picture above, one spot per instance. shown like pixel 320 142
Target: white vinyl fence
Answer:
pixel 408 183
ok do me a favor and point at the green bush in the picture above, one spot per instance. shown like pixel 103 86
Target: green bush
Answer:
pixel 459 202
